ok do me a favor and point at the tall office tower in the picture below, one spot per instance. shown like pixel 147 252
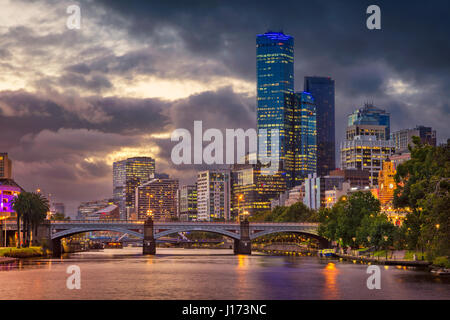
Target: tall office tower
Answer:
pixel 367 142
pixel 322 89
pixel 127 175
pixel 275 86
pixel 213 195
pixel 403 138
pixel 305 138
pixel 187 203
pixel 157 198
pixel 370 115
pixel 5 166
pixel 252 191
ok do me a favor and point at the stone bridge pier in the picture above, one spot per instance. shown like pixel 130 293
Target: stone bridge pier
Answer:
pixel 244 244
pixel 149 243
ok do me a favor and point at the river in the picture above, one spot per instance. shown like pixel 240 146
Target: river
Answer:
pixel 210 274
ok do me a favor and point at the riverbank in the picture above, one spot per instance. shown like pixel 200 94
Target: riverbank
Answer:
pixel 30 252
pixel 6 260
pixel 384 261
pixel 283 249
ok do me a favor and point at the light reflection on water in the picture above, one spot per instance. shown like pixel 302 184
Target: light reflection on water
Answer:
pixel 210 274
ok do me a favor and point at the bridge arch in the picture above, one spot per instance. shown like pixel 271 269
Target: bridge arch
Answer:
pixel 322 241
pixel 197 228
pixel 77 230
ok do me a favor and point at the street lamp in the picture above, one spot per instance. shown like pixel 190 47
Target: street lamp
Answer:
pixel 240 198
pixel 385 240
pixel 368 242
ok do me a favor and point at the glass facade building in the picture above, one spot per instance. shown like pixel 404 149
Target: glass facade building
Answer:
pixel 157 198
pixel 213 195
pixel 371 115
pixel 305 137
pixel 275 87
pixel 188 203
pixel 127 175
pixel 322 89
pixel 253 191
pixel 279 108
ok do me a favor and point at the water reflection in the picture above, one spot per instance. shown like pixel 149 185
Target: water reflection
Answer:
pixel 331 290
pixel 210 274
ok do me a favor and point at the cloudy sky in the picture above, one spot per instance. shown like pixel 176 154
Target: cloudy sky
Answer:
pixel 74 101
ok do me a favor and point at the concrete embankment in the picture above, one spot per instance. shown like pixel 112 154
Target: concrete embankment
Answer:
pixel 283 249
pixel 6 260
pixel 380 260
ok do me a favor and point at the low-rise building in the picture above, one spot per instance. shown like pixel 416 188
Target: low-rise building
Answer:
pixel 187 203
pixel 157 198
pixel 315 188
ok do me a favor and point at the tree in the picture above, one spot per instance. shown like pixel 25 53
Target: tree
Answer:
pixel 31 209
pixel 342 221
pixel 39 212
pixel 423 186
pixel 297 212
pixel 377 227
pixel 59 216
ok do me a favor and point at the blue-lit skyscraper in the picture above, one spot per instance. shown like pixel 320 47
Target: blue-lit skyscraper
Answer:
pixel 305 137
pixel 322 89
pixel 371 115
pixel 279 108
pixel 275 88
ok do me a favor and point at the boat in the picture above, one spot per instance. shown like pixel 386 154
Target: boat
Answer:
pixel 114 245
pixel 441 272
pixel 325 253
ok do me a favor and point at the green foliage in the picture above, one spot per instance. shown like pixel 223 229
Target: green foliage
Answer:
pixel 31 209
pixel 21 252
pixel 59 216
pixel 352 220
pixel 297 212
pixel 442 262
pixel 424 185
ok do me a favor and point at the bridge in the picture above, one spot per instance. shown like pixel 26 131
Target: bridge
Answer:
pixel 51 232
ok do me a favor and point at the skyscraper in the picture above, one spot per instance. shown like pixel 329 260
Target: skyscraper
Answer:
pixel 305 137
pixel 127 175
pixel 275 87
pixel 253 191
pixel 279 108
pixel 371 115
pixel 322 89
pixel 157 198
pixel 187 203
pixel 403 138
pixel 213 195
pixel 367 142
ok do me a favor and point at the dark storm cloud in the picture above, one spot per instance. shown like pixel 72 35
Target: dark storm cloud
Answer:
pixel 52 133
pixel 51 140
pixel 331 38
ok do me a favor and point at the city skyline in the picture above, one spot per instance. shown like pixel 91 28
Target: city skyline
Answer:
pixel 106 96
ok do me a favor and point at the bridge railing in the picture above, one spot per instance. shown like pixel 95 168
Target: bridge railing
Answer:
pixel 108 221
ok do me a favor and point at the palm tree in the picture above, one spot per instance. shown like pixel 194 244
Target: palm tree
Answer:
pixel 22 206
pixel 31 209
pixel 38 213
